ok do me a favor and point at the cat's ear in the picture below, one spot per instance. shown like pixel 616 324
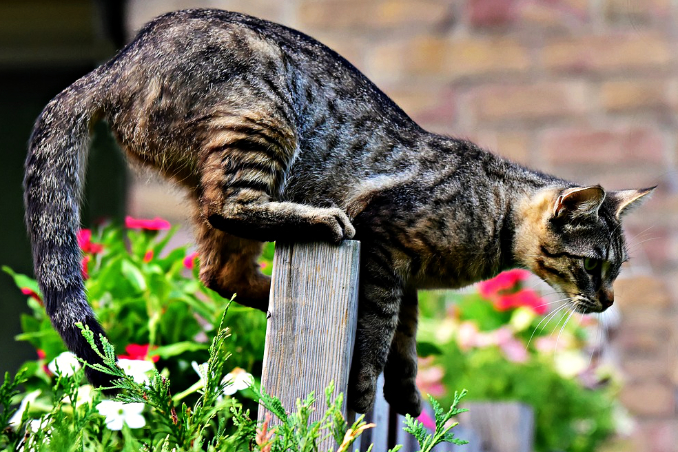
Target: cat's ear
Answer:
pixel 578 201
pixel 627 200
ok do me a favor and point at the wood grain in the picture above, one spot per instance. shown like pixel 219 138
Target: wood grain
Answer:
pixel 312 321
pixel 501 426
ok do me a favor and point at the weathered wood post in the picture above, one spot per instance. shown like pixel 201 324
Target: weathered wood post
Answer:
pixel 312 321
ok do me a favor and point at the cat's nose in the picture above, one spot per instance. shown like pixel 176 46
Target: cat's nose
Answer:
pixel 606 297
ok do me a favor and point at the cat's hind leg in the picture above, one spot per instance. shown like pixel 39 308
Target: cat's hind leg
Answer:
pixel 400 372
pixel 228 265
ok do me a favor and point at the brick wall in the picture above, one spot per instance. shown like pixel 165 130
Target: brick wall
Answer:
pixel 585 89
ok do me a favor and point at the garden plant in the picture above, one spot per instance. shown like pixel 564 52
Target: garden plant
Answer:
pixel 186 382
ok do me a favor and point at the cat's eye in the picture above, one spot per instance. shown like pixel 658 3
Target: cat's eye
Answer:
pixel 591 265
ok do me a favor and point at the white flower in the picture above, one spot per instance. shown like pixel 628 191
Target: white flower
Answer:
pixel 201 370
pixel 570 363
pixel 237 380
pixel 137 369
pixel 15 420
pixel 118 413
pixel 84 395
pixel 32 427
pixel 67 363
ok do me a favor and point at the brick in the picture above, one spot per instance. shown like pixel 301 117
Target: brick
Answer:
pixel 648 399
pixel 452 58
pixel 607 53
pixel 533 102
pixel 512 144
pixel 633 144
pixel 636 341
pixel 634 14
pixel 564 15
pixel 630 95
pixel 362 16
pixel 643 368
pixel 491 13
pixel 427 105
pixel 501 14
pixel 641 292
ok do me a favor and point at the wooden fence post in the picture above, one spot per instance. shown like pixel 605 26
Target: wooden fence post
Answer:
pixel 311 321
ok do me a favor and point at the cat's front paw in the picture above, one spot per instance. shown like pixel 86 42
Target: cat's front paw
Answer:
pixel 404 398
pixel 361 393
pixel 337 223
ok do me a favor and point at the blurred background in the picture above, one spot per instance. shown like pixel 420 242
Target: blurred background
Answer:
pixel 584 89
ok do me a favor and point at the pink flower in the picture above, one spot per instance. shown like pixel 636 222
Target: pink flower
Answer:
pixel 156 224
pixel 31 293
pixel 525 297
pixel 505 292
pixel 427 420
pixel 502 282
pixel 513 349
pixel 189 261
pixel 138 352
pixel 148 257
pixel 429 381
pixel 85 266
pixel 86 244
pixel 41 357
pixel 467 335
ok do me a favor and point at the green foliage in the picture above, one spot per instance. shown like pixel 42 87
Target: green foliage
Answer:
pixel 73 424
pixel 144 293
pixel 442 433
pixel 508 354
pixel 154 307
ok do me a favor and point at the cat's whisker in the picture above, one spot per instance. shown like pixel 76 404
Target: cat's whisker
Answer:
pixel 634 246
pixel 555 350
pixel 647 229
pixel 550 314
pixel 568 299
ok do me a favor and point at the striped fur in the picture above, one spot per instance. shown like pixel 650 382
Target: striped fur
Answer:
pixel 276 137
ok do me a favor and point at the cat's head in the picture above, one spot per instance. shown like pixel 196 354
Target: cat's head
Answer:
pixel 572 238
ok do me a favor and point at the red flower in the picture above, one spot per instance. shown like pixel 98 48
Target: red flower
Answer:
pixel 31 293
pixel 148 256
pixel 85 266
pixel 41 356
pixel 525 297
pixel 156 224
pixel 86 244
pixel 189 261
pixel 138 352
pixel 505 292
pixel 502 282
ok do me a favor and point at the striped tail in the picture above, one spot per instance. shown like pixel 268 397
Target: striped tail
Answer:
pixel 53 180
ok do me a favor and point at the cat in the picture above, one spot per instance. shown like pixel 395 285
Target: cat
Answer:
pixel 276 137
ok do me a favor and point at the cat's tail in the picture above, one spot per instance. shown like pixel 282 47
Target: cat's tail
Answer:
pixel 55 170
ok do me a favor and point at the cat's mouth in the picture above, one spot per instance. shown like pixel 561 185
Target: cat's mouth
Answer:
pixel 585 305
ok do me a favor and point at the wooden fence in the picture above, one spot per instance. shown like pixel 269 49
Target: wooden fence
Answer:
pixel 309 343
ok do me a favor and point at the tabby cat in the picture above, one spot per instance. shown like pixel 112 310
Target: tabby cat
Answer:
pixel 276 137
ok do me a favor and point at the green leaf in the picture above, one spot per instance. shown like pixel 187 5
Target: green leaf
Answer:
pixel 425 349
pixel 132 273
pixel 168 351
pixel 22 281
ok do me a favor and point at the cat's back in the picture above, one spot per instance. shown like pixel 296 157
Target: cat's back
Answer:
pixel 188 73
pixel 205 52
